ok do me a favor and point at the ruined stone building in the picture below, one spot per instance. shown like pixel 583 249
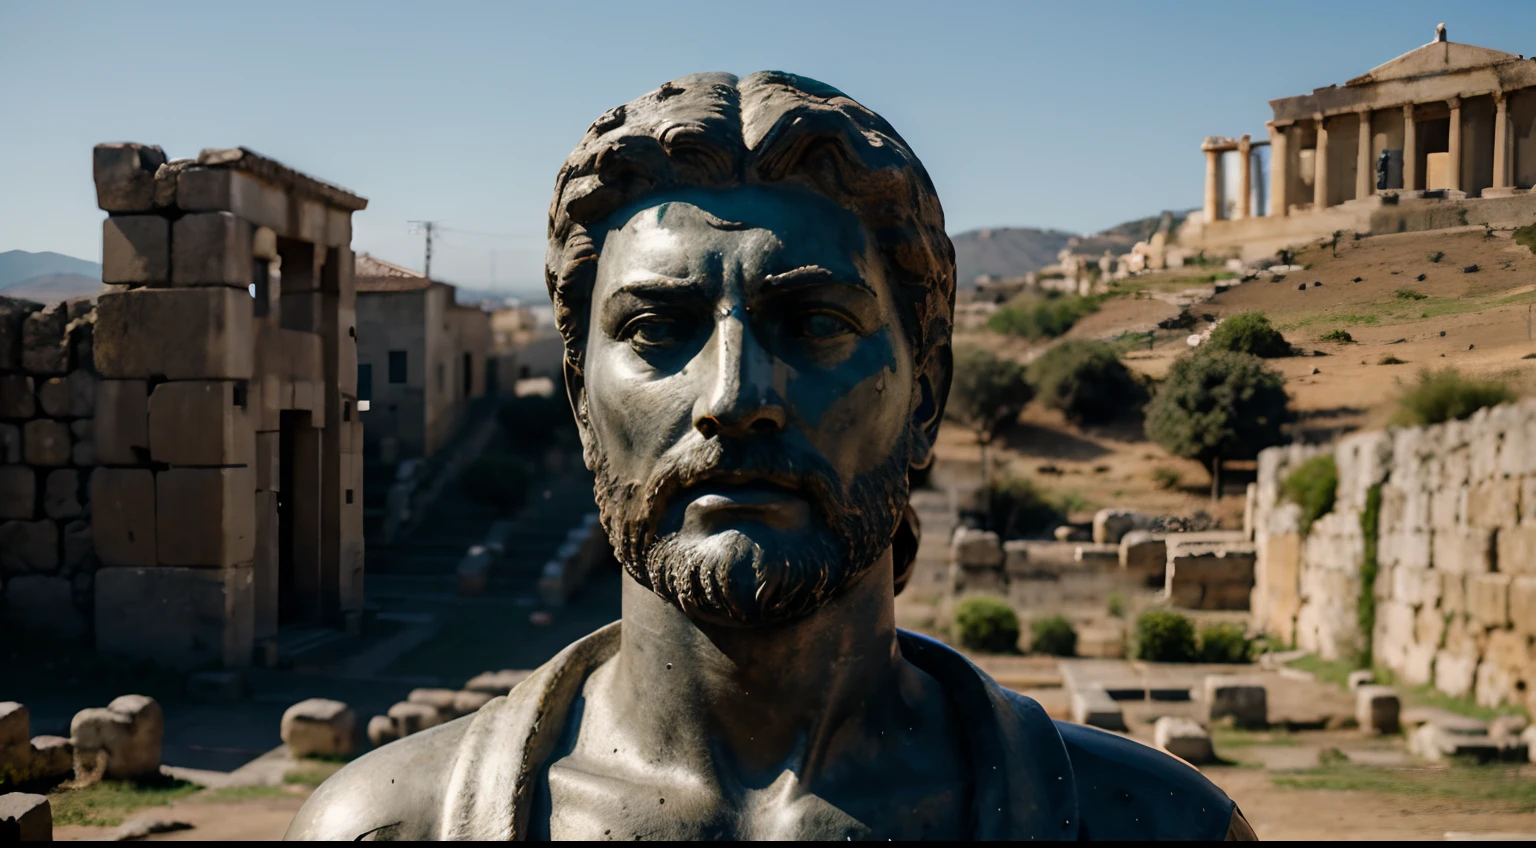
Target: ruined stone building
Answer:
pixel 422 358
pixel 1438 125
pixel 526 342
pixel 182 468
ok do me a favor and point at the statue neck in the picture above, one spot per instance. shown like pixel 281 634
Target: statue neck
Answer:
pixel 757 700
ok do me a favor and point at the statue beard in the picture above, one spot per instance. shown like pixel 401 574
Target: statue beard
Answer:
pixel 729 577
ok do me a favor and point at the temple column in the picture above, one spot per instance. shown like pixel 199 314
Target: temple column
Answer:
pixel 1500 140
pixel 1453 149
pixel 1212 185
pixel 1320 167
pixel 1245 181
pixel 1363 170
pixel 1410 150
pixel 1279 169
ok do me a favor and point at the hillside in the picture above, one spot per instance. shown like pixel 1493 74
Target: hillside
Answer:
pixel 19 265
pixel 1009 252
pixel 49 288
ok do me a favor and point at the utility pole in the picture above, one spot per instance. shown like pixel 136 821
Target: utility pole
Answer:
pixel 426 227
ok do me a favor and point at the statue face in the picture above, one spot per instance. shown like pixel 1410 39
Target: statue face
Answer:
pixel 750 396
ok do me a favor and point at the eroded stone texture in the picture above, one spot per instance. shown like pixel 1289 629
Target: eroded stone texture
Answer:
pixel 135 250
pixel 29 816
pixel 127 733
pixel 319 727
pixel 1184 738
pixel 46 442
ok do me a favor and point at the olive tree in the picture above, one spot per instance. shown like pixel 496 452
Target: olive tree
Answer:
pixel 986 396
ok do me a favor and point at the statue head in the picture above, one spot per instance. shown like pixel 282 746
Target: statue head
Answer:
pixel 755 291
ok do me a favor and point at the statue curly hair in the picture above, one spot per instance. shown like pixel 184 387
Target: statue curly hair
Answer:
pixel 718 131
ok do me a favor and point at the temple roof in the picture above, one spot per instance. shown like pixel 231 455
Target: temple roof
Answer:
pixel 1434 58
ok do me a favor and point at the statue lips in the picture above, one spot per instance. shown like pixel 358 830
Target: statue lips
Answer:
pixel 771 499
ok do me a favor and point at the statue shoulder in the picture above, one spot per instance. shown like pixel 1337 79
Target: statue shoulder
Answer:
pixel 1127 790
pixel 393 792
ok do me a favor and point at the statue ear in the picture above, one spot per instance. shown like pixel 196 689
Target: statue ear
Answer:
pixel 576 393
pixel 928 411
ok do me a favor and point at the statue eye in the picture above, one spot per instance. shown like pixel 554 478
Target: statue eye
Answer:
pixel 821 326
pixel 650 331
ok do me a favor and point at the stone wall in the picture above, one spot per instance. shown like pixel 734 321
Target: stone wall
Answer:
pixel 48 387
pixel 1455 590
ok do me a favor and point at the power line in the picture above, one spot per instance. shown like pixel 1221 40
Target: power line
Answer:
pixel 515 236
pixel 427 227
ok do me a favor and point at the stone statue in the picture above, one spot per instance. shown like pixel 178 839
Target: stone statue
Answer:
pixel 755 290
pixel 1383 167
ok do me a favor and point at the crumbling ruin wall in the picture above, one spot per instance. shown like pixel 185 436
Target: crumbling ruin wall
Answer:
pixel 48 386
pixel 1455 554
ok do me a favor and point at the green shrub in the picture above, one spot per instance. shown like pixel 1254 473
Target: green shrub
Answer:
pixel 1312 486
pixel 987 624
pixel 1225 643
pixel 1116 606
pixel 1164 636
pixel 1020 510
pixel 1446 395
pixel 988 392
pixel 1166 478
pixel 498 480
pixel 1086 381
pixel 1389 359
pixel 1526 237
pixel 1035 317
pixel 1341 336
pixel 1053 636
pixel 1365 604
pixel 1248 332
pixel 1409 294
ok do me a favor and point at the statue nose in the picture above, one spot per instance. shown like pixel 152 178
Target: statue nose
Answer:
pixel 742 400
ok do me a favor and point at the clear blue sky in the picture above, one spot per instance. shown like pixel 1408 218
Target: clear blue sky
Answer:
pixel 1067 115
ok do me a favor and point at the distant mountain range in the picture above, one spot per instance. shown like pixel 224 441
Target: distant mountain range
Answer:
pixel 47 277
pixel 1011 252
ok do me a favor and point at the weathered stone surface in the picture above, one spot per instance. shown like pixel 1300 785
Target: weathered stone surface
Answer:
pixel 18 492
pixel 13 313
pixel 1493 503
pixel 1488 596
pixel 29 547
pixel 125 176
pixel 224 190
pixel 441 700
pixel 468 701
pixel 1092 705
pixel 17 399
pixel 1243 700
pixel 1144 555
pixel 46 442
pixel 15 724
pixel 53 758
pixel 26 817
pixel 1462 550
pixel 43 605
pixel 61 494
pixel 1184 738
pixel 267 456
pixel 10 442
pixel 123 516
pixel 127 732
pixel 381 730
pixel 200 334
pixel 180 617
pixel 211 249
pixel 122 422
pixel 1522 604
pixel 1377 709
pixel 53 396
pixel 82 393
pixel 976 549
pixel 201 422
pixel 205 516
pixel 135 249
pixel 413 718
pixel 1435 742
pixel 1517 549
pixel 1455 672
pixel 319 727
pixel 1111 525
pixel 43 348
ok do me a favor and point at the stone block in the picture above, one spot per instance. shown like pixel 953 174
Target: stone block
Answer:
pixel 976 548
pixel 211 249
pixel 1144 555
pixel 10 443
pixel 381 731
pixel 1435 743
pixel 53 758
pixel 125 176
pixel 13 313
pixel 135 250
pixel 82 393
pixel 1522 604
pixel 224 190
pixel 123 516
pixel 1227 596
pixel 15 724
pixel 127 733
pixel 29 547
pixel 1462 550
pixel 267 456
pixel 1453 592
pixel 496 682
pixel 1429 625
pixel 441 700
pixel 122 422
pixel 1184 738
pixel 198 334
pixel 1377 708
pixel 1455 672
pixel 1494 503
pixel 319 727
pixel 468 701
pixel 43 348
pixel 205 516
pixel 25 817
pixel 1233 566
pixel 1092 705
pixel 201 422
pixel 18 492
pixel 1517 549
pixel 44 606
pixel 1488 597
pixel 413 718
pixel 61 494
pixel 53 396
pixel 180 617
pixel 1245 701
pixel 17 398
pixel 1415 586
pixel 1361 677
pixel 46 442
pixel 1111 525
